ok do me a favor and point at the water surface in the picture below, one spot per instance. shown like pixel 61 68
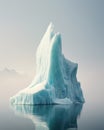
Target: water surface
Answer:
pixel 52 117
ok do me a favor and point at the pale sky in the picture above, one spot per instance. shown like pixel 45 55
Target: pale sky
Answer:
pixel 81 23
pixel 23 23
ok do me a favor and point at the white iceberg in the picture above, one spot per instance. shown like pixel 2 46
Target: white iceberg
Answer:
pixel 55 81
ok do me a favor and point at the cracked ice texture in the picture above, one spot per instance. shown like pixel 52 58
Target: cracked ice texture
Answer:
pixel 55 81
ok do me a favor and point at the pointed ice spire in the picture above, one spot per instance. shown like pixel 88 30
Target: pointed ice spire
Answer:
pixel 51 26
pixel 50 30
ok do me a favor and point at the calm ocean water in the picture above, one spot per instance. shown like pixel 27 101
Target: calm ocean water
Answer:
pixel 88 116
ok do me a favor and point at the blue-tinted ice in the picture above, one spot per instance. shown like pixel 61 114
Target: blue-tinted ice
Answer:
pixel 55 81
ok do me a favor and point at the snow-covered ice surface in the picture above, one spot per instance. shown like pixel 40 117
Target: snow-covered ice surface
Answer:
pixel 55 81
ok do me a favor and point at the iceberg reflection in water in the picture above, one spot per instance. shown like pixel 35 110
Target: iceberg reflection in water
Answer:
pixel 51 117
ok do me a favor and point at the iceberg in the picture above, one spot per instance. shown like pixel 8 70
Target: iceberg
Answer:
pixel 55 81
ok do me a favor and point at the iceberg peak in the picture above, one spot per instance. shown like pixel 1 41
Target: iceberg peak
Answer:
pixel 55 81
pixel 50 30
pixel 51 25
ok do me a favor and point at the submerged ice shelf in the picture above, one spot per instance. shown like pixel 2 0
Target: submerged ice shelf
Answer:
pixel 55 81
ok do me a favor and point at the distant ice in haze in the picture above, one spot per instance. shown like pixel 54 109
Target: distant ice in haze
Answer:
pixel 55 81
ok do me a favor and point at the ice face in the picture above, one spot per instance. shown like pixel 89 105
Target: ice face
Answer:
pixel 55 81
